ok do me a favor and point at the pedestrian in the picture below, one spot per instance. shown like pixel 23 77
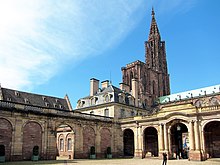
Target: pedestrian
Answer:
pixel 164 158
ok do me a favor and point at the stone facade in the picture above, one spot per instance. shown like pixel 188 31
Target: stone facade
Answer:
pixel 135 120
pixel 152 76
pixel 22 129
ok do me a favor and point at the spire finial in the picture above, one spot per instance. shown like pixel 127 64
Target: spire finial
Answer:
pixel 152 11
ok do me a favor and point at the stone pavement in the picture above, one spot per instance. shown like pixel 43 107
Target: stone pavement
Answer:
pixel 116 162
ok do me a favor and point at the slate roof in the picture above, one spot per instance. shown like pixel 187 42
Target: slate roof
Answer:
pixel 110 90
pixel 43 101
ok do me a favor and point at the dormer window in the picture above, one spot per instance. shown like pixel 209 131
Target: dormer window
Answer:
pixel 44 98
pixel 9 99
pixel 17 93
pixel 61 107
pixel 47 104
pixel 26 101
pixel 57 100
pixel 55 105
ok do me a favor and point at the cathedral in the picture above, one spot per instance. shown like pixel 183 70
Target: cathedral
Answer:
pixel 140 118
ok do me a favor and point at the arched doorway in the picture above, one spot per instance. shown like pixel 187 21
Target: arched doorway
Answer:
pixel 65 142
pixel 128 139
pixel 150 142
pixel 179 141
pixel 5 138
pixel 212 139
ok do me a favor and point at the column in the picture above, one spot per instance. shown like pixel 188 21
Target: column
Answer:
pixel 169 141
pixel 165 137
pixel 197 138
pixel 191 136
pixel 161 139
pixel 138 142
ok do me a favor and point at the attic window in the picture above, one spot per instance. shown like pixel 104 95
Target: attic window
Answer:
pixel 57 100
pixel 44 98
pixel 17 93
pixel 8 99
pixel 61 107
pixel 47 104
pixel 55 105
pixel 26 101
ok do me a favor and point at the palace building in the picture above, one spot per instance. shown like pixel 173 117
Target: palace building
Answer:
pixel 138 119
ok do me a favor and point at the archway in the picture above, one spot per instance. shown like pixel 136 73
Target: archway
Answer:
pixel 65 142
pixel 150 142
pixel 32 136
pixel 179 141
pixel 212 139
pixel 5 137
pixel 128 139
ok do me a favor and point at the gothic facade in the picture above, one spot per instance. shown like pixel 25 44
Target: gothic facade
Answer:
pixel 152 76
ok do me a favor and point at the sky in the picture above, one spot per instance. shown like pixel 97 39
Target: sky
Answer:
pixel 55 47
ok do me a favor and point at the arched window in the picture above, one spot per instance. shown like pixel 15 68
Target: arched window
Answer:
pixel 131 77
pixel 69 144
pixel 61 144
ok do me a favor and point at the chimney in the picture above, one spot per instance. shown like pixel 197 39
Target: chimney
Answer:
pixel 135 90
pixel 94 86
pixel 105 84
pixel 124 87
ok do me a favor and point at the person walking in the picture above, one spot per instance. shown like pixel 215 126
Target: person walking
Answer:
pixel 164 158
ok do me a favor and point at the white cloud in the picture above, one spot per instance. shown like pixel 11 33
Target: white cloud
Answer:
pixel 38 36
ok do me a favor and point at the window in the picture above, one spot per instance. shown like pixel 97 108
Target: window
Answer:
pixel 61 144
pixel 69 144
pixel 106 112
pixel 17 93
pixel 47 104
pixel 106 98
pixel 26 101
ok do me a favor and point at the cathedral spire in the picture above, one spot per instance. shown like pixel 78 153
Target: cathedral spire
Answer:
pixel 154 31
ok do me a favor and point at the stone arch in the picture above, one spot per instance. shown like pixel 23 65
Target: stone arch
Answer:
pixel 6 136
pixel 32 136
pixel 88 140
pixel 179 139
pixel 65 147
pixel 150 142
pixel 128 140
pixel 212 139
pixel 106 139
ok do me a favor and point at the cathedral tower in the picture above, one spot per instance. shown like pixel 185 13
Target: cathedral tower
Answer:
pixel 152 76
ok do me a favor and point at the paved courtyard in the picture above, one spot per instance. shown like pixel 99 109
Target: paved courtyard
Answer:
pixel 116 162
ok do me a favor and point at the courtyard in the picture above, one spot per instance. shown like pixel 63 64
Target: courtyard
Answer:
pixel 116 162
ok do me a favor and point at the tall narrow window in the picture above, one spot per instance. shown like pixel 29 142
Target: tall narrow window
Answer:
pixel 153 87
pixel 69 144
pixel 61 144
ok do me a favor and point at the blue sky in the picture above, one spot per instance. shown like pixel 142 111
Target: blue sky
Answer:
pixel 54 47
